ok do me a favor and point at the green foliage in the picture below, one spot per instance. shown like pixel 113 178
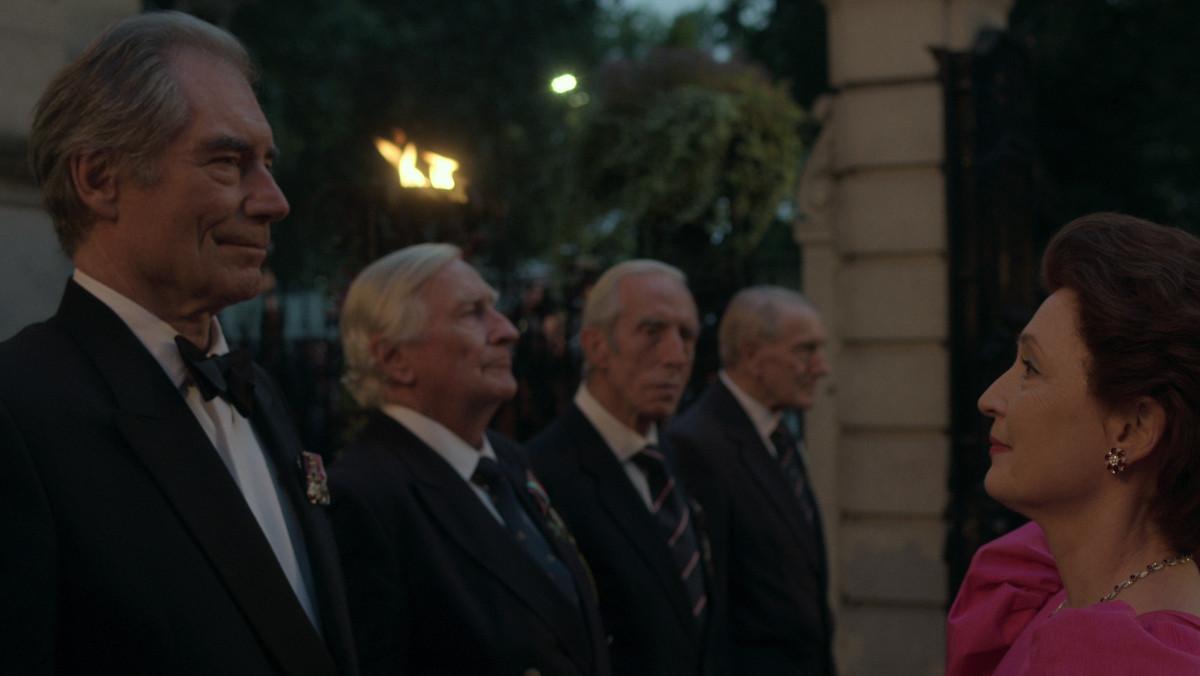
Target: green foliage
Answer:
pixel 675 155
pixel 681 147
pixel 788 37
pixel 661 165
pixel 629 32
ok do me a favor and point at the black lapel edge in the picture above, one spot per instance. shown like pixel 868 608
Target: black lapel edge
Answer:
pixel 456 511
pixel 273 421
pixel 168 440
pixel 620 501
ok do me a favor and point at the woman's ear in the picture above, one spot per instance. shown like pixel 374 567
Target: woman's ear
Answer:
pixel 96 182
pixel 393 362
pixel 1139 429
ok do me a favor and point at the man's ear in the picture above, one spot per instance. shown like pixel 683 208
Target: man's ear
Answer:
pixel 393 361
pixel 748 353
pixel 96 182
pixel 596 349
pixel 1139 429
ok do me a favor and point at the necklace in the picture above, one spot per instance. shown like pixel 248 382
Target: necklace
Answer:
pixel 1136 577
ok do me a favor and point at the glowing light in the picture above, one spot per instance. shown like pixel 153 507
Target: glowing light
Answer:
pixel 438 173
pixel 441 171
pixel 563 83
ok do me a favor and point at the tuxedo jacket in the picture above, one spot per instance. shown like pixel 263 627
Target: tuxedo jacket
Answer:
pixel 777 570
pixel 437 585
pixel 642 599
pixel 127 546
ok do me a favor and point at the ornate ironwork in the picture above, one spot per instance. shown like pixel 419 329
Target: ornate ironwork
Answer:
pixel 991 211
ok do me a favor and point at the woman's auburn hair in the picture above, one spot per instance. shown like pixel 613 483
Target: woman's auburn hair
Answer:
pixel 1138 290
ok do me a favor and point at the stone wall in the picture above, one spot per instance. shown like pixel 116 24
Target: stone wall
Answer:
pixel 874 241
pixel 36 38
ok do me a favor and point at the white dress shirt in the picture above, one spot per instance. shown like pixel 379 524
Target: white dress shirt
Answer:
pixel 622 440
pixel 231 435
pixel 765 420
pixel 461 456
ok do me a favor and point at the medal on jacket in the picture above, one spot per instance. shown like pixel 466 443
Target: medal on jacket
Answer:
pixel 558 528
pixel 316 485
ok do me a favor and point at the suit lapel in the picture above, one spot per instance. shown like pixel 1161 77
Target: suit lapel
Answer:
pixel 452 505
pixel 278 436
pixel 558 538
pixel 162 431
pixel 562 544
pixel 818 531
pixel 620 501
pixel 763 468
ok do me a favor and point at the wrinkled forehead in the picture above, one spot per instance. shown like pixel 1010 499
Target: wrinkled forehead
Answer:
pixel 800 322
pixel 217 87
pixel 658 295
pixel 459 282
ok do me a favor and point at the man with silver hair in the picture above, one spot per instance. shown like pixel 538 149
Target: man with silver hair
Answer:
pixel 455 561
pixel 734 444
pixel 608 469
pixel 156 515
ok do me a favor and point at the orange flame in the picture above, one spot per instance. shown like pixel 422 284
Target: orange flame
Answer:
pixel 439 167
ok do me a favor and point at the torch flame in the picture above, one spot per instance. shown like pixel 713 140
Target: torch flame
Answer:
pixel 441 168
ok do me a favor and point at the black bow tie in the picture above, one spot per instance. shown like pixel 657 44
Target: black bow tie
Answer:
pixel 229 375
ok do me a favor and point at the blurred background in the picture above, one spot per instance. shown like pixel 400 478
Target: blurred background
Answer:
pixel 902 162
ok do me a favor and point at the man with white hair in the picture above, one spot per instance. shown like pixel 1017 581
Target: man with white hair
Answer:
pixel 608 469
pixel 455 562
pixel 733 443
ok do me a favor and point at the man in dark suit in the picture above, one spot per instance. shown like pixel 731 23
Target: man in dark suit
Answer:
pixel 156 515
pixel 733 442
pixel 455 561
pixel 614 479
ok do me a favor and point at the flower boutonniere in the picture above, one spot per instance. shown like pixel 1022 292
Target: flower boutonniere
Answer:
pixel 316 484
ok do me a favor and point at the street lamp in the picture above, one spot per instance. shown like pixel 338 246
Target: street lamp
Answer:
pixel 563 83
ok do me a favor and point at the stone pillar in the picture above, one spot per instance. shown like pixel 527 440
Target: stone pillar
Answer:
pixel 37 37
pixel 873 233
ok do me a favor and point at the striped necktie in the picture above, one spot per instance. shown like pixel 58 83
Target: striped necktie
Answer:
pixel 787 453
pixel 674 518
pixel 490 477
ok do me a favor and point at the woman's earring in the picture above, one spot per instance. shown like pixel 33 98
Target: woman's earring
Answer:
pixel 1115 460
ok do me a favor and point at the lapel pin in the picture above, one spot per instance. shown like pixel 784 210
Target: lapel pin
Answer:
pixel 315 481
pixel 553 521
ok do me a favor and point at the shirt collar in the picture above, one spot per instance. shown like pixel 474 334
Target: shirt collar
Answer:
pixel 765 420
pixel 461 456
pixel 157 336
pixel 624 441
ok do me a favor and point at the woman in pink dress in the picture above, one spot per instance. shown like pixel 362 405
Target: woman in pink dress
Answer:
pixel 1096 438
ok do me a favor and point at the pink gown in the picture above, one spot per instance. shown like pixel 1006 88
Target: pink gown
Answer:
pixel 1003 622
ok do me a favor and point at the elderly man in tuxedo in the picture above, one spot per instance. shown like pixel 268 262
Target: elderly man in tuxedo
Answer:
pixel 616 482
pixel 455 561
pixel 734 443
pixel 159 513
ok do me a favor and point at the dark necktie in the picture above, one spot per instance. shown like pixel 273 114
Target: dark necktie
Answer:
pixel 229 376
pixel 674 518
pixel 787 453
pixel 490 477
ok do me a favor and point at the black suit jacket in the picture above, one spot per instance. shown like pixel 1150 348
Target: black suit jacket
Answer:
pixel 437 585
pixel 777 571
pixel 643 602
pixel 128 547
